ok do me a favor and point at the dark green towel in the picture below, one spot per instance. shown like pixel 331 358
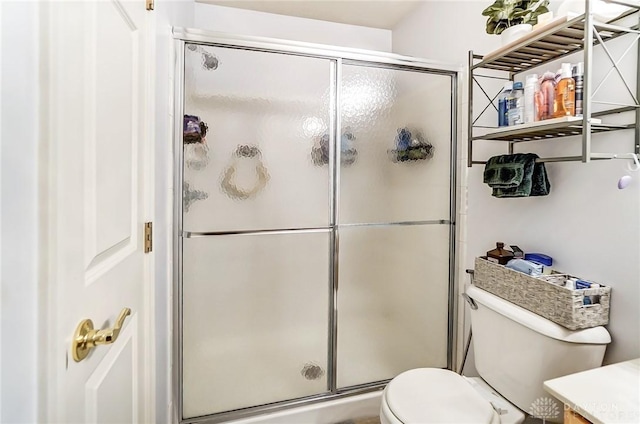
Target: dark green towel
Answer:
pixel 516 175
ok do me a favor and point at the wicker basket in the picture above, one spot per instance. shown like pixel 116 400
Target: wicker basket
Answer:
pixel 556 303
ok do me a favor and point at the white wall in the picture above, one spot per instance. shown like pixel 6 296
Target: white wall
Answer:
pixel 586 224
pixel 19 258
pixel 444 30
pixel 248 22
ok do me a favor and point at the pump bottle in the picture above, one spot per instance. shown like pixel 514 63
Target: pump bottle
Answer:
pixel 565 95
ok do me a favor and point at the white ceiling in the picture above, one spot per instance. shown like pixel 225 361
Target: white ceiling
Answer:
pixel 371 13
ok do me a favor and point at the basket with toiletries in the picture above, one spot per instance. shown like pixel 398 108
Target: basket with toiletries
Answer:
pixel 562 298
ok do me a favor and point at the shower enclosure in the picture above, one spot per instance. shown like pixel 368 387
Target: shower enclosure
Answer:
pixel 314 243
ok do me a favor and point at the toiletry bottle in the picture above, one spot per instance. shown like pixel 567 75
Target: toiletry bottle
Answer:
pixel 578 78
pixel 565 103
pixel 503 104
pixel 531 87
pixel 516 105
pixel 499 255
pixel 547 95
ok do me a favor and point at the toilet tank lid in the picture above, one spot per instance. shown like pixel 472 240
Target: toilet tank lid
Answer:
pixel 595 335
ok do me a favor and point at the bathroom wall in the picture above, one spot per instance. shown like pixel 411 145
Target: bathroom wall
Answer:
pixel 248 22
pixel 590 227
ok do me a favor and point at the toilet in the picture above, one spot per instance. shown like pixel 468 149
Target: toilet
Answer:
pixel 515 352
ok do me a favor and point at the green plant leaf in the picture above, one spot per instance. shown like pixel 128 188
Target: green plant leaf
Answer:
pixel 495 7
pixel 503 14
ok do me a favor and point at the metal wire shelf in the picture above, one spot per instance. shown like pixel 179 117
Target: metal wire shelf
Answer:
pixel 549 131
pixel 554 41
pixel 559 38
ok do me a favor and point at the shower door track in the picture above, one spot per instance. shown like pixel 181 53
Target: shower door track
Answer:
pixel 338 56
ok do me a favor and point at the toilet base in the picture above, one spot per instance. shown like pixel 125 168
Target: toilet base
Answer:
pixel 509 414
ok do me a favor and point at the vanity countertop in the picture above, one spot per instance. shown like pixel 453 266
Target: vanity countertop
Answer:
pixel 605 395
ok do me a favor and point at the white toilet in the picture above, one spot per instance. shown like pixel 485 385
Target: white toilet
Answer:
pixel 515 352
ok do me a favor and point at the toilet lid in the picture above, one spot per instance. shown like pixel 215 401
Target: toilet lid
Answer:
pixel 430 395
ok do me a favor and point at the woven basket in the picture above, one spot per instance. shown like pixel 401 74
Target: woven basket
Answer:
pixel 556 303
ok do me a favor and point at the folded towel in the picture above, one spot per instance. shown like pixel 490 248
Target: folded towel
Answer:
pixel 526 267
pixel 516 175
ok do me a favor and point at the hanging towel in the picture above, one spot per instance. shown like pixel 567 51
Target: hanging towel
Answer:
pixel 517 175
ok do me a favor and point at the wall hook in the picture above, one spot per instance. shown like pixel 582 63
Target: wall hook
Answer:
pixel 625 180
pixel 636 166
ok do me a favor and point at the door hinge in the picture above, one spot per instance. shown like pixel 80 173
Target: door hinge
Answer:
pixel 149 4
pixel 148 237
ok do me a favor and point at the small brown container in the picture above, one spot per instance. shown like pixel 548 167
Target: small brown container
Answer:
pixel 500 255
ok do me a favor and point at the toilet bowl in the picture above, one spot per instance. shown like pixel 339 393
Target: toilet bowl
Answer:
pixel 431 395
pixel 511 372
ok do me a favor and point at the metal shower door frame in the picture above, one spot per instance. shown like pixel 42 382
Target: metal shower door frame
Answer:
pixel 338 56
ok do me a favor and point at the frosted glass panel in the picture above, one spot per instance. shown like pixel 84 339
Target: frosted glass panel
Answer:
pixel 261 115
pixel 396 145
pixel 254 320
pixel 392 301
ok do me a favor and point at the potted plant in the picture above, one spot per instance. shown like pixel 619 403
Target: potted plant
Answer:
pixel 513 18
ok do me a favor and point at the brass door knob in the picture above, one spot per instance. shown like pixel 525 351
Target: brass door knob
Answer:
pixel 86 338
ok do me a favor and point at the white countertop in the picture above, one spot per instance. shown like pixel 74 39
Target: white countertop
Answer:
pixel 604 395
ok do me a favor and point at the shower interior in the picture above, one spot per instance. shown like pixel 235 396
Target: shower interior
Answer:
pixel 315 231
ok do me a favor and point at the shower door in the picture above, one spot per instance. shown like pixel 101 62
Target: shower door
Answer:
pixel 314 246
pixel 393 222
pixel 255 254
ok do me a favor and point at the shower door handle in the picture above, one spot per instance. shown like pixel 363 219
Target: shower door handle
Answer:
pixel 86 338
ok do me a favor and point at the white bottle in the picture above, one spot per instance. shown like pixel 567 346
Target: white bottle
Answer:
pixel 531 89
pixel 516 105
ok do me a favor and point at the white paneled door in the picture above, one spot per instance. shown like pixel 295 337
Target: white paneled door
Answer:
pixel 98 104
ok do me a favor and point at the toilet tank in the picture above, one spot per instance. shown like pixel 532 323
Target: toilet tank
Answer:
pixel 516 350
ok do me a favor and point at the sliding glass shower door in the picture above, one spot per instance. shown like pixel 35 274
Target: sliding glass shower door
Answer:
pixel 314 245
pixel 256 229
pixel 394 222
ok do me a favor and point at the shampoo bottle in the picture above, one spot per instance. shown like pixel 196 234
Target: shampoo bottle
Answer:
pixel 565 102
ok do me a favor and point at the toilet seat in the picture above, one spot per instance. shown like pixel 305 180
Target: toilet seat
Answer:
pixel 430 395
